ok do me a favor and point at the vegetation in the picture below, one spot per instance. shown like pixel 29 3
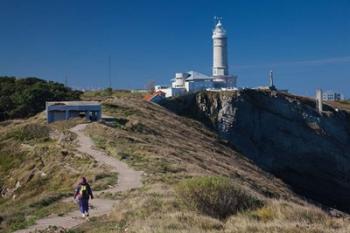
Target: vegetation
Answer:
pixel 39 166
pixel 26 97
pixel 193 182
pixel 281 216
pixel 108 93
pixel 180 157
pixel 29 132
pixel 216 196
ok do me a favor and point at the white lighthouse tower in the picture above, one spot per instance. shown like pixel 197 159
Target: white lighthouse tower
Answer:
pixel 221 75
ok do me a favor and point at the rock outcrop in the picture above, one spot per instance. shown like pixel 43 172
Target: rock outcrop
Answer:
pixel 283 134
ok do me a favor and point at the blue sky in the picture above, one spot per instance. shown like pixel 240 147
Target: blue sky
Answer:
pixel 306 43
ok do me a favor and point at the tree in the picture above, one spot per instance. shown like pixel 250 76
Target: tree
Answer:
pixel 26 97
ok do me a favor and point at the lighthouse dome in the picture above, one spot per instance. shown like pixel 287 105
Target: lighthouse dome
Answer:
pixel 219 31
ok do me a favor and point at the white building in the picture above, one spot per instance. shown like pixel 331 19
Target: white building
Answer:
pixel 332 96
pixel 170 91
pixel 197 82
pixel 193 81
pixel 188 82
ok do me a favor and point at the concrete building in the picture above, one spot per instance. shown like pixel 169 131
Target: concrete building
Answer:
pixel 179 80
pixel 64 110
pixel 170 91
pixel 197 82
pixel 188 82
pixel 332 96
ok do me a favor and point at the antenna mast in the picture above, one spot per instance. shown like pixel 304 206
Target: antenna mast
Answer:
pixel 109 72
pixel 66 81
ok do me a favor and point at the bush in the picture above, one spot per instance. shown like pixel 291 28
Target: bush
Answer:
pixel 215 196
pixel 19 221
pixel 48 200
pixel 9 158
pixel 264 214
pixel 26 97
pixel 31 132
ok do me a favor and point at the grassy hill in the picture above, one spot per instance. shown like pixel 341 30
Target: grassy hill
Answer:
pixel 39 166
pixel 193 182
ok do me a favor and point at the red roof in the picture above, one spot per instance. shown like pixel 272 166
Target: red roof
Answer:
pixel 149 97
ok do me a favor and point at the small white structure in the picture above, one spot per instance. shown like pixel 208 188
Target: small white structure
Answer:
pixel 179 80
pixel 332 96
pixel 319 100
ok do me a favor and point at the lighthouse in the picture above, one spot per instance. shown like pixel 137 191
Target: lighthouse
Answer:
pixel 220 74
pixel 193 81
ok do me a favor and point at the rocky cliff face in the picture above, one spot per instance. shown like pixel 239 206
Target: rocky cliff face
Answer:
pixel 284 135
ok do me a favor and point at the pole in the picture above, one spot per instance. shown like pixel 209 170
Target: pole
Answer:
pixel 109 72
pixel 66 81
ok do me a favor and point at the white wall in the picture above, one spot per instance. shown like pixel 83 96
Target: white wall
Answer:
pixel 193 86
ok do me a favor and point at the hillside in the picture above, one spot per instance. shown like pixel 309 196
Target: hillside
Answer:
pixel 39 166
pixel 284 135
pixel 170 150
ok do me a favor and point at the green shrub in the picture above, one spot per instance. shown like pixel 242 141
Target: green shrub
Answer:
pixel 105 180
pixel 18 222
pixel 264 214
pixel 31 132
pixel 48 200
pixel 215 196
pixel 10 157
pixel 26 97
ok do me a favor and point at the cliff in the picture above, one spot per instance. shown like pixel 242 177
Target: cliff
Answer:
pixel 284 135
pixel 182 160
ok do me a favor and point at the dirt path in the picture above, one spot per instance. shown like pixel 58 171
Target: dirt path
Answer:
pixel 127 179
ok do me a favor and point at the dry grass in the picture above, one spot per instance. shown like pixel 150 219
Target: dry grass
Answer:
pixel 342 105
pixel 216 196
pixel 170 148
pixel 156 209
pixel 37 171
pixel 281 216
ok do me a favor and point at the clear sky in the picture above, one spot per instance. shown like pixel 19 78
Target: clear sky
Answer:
pixel 305 42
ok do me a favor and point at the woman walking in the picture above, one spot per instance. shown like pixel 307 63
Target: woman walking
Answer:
pixel 82 194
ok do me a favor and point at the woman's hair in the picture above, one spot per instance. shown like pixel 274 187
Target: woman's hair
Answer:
pixel 83 180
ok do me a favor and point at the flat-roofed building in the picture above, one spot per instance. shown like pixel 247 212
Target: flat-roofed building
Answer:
pixel 64 110
pixel 332 96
